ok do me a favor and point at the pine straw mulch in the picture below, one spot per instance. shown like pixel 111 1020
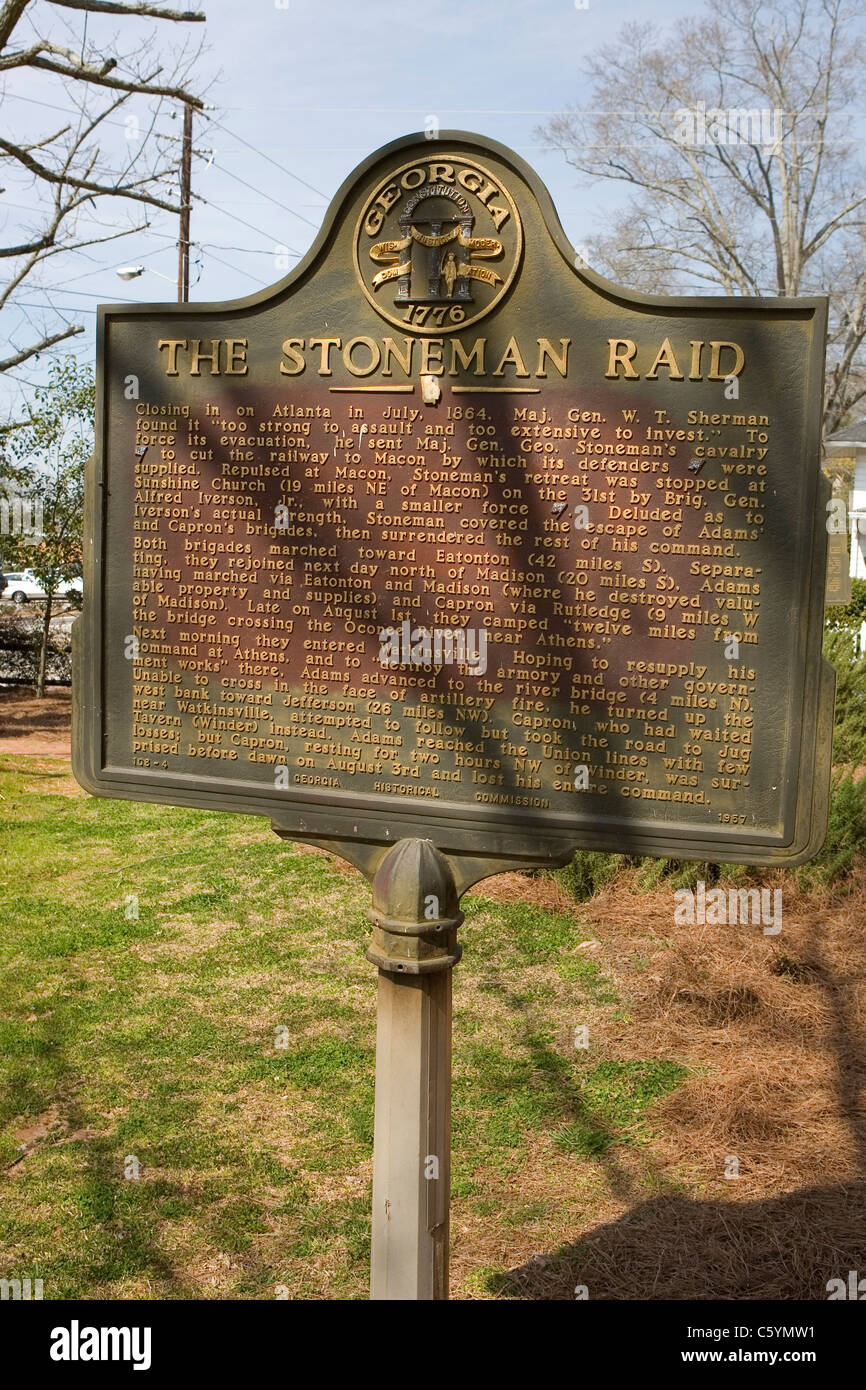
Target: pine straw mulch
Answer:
pixel 35 727
pixel 773 1028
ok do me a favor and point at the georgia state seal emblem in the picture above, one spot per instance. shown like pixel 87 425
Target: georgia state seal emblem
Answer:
pixel 437 244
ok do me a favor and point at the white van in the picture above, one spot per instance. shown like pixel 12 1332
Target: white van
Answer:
pixel 24 585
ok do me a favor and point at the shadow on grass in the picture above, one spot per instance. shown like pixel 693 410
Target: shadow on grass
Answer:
pixel 115 1216
pixel 105 1176
pixel 594 1111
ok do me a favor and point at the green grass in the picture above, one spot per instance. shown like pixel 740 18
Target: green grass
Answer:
pixel 614 1098
pixel 185 996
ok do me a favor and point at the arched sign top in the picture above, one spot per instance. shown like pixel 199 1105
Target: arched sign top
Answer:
pixel 521 179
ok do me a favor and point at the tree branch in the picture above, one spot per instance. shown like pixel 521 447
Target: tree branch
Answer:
pixel 9 17
pixel 102 80
pixel 152 11
pixel 43 172
pixel 47 342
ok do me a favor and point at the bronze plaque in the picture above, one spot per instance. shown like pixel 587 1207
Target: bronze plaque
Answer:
pixel 444 535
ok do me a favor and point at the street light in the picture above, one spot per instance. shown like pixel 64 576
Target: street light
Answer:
pixel 132 272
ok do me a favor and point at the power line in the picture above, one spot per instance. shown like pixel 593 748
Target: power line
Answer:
pixel 261 191
pixel 105 298
pixel 64 110
pixel 282 168
pixel 199 198
pixel 57 308
pixel 233 215
pixel 229 266
pixel 243 250
pixel 83 294
pixel 234 136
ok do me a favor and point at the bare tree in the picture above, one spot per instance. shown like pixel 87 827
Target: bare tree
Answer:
pixel 734 137
pixel 68 167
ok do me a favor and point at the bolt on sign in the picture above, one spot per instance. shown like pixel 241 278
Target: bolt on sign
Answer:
pixel 445 536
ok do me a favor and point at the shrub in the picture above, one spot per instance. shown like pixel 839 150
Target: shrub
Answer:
pixel 849 737
pixel 852 614
pixel 846 833
pixel 19 652
pixel 588 871
pixel 680 873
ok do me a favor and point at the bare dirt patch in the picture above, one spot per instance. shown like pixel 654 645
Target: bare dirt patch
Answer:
pixel 36 727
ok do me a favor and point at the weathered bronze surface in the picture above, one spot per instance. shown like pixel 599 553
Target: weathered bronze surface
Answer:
pixel 603 509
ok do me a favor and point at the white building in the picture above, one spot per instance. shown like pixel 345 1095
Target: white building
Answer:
pixel 850 443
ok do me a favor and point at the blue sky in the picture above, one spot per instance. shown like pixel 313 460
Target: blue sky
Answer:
pixel 313 86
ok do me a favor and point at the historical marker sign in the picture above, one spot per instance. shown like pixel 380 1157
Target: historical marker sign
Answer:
pixel 444 535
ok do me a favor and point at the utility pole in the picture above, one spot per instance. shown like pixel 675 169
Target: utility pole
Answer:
pixel 185 199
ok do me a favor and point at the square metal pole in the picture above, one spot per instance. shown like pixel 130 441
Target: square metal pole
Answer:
pixel 412 1154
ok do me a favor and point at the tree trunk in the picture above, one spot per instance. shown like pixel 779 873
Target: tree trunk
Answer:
pixel 43 649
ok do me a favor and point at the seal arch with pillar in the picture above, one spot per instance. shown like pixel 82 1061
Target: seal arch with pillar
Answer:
pixel 459 224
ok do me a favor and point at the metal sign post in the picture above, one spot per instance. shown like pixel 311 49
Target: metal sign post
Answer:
pixel 415 918
pixel 412 1146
